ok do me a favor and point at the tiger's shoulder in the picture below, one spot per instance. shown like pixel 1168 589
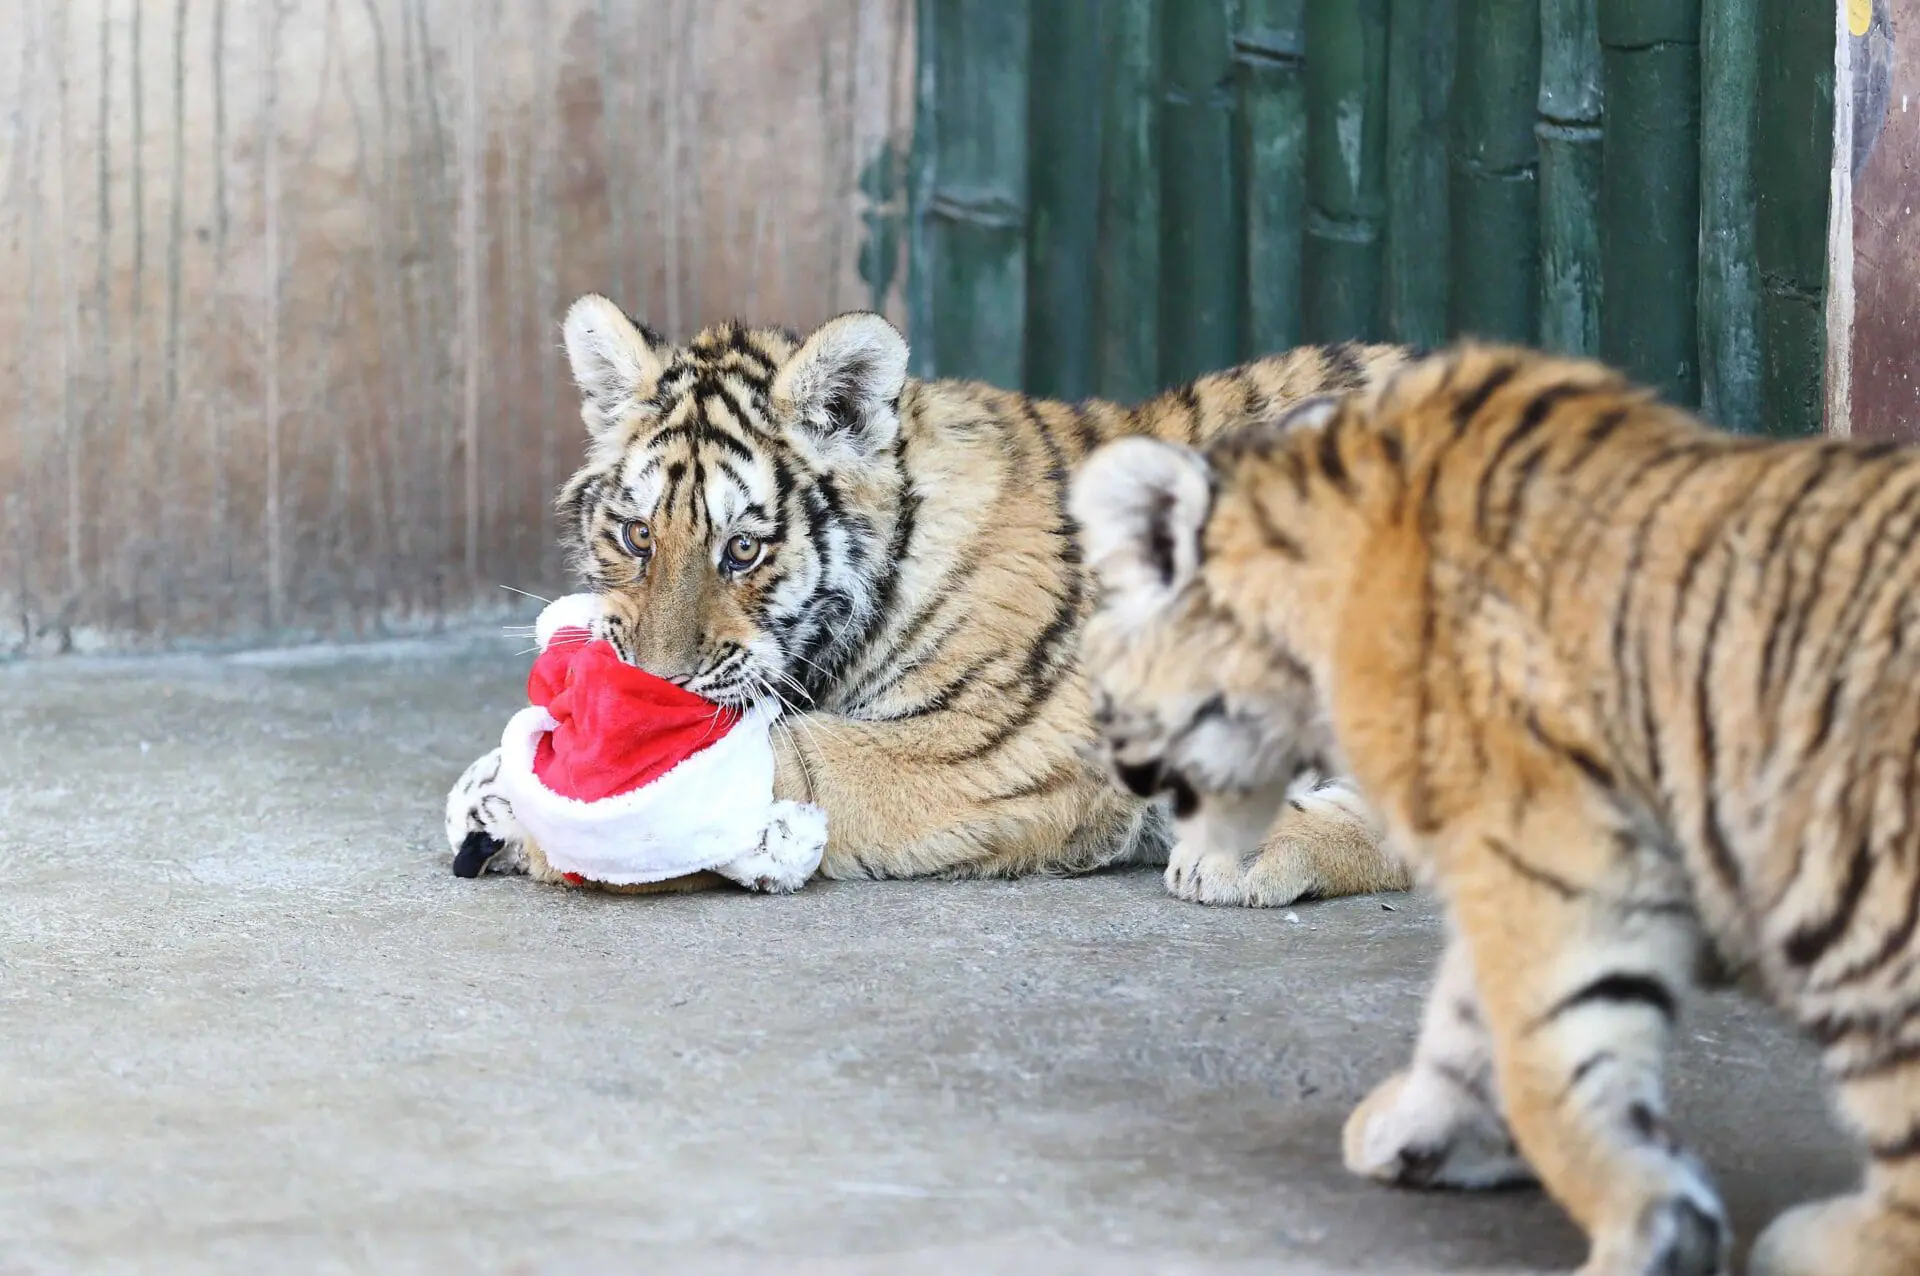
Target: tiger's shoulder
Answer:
pixel 1256 395
pixel 1488 444
pixel 1216 405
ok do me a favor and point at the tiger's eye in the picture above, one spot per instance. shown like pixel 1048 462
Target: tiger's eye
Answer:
pixel 637 536
pixel 742 552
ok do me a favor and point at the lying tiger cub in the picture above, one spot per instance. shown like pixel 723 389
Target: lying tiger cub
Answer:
pixel 777 520
pixel 1629 691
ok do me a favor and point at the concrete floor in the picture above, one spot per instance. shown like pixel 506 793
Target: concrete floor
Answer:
pixel 250 1022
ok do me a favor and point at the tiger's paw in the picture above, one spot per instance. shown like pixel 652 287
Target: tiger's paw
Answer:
pixel 1422 1129
pixel 788 854
pixel 1321 844
pixel 1273 877
pixel 1682 1234
pixel 481 830
pixel 1206 875
pixel 1852 1235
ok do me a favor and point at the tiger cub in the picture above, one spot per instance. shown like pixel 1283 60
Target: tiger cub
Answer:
pixel 1189 708
pixel 772 518
pixel 1630 692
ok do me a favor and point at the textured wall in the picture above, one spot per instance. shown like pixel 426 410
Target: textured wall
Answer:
pixel 1877 377
pixel 284 278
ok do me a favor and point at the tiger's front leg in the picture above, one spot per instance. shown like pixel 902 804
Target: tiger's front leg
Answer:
pixel 1582 943
pixel 1437 1122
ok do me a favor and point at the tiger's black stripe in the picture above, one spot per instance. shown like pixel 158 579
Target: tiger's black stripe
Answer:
pixel 1617 988
pixel 1706 735
pixel 1808 943
pixel 1541 877
pixel 1531 418
pixel 1892 945
pixel 1469 405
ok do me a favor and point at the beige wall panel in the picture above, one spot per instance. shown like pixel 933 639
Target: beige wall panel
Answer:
pixel 283 281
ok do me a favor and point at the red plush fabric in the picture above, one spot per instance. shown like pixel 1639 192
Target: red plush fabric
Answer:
pixel 619 727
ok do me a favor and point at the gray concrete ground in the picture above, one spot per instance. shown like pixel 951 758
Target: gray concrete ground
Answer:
pixel 250 1022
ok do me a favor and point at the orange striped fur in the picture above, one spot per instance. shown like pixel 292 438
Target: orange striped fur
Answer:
pixel 1634 695
pixel 914 596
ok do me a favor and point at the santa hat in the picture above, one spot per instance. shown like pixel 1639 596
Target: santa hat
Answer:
pixel 622 777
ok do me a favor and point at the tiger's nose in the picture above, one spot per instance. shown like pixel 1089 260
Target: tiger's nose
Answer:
pixel 1142 779
pixel 667 661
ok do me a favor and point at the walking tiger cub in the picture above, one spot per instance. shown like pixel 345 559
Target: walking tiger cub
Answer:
pixel 794 521
pixel 1634 695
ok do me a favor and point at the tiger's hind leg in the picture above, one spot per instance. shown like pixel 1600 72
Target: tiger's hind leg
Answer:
pixel 1322 844
pixel 1876 1231
pixel 1437 1122
pixel 1579 956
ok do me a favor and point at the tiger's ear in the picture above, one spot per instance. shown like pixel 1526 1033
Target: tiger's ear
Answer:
pixel 616 362
pixel 840 392
pixel 1141 505
pixel 1310 413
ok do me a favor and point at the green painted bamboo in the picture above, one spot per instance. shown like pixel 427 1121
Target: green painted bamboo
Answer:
pixel 1063 174
pixel 1792 155
pixel 1272 128
pixel 1650 193
pixel 1729 281
pixel 1494 206
pixel 1127 273
pixel 879 258
pixel 1569 135
pixel 1201 271
pixel 1420 51
pixel 969 193
pixel 1346 167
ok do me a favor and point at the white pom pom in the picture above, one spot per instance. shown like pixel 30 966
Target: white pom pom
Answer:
pixel 572 611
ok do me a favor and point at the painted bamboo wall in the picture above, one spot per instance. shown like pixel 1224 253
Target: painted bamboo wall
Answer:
pixel 284 278
pixel 1139 190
